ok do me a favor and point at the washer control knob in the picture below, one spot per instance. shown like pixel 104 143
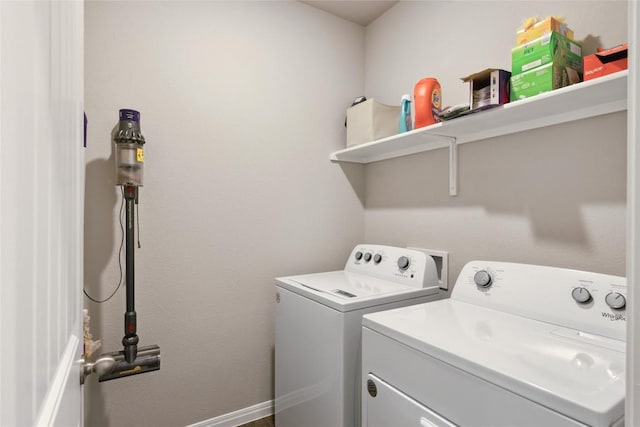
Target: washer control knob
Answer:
pixel 358 256
pixel 482 278
pixel 403 263
pixel 581 295
pixel 377 258
pixel 367 257
pixel 615 300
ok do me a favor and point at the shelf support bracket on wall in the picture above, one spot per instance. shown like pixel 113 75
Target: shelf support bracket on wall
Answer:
pixel 453 167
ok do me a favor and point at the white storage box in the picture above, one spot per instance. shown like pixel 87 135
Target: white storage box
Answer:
pixel 371 120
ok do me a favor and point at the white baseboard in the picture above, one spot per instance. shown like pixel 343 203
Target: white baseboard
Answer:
pixel 239 417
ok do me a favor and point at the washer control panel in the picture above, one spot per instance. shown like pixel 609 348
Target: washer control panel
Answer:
pixel 402 265
pixel 586 301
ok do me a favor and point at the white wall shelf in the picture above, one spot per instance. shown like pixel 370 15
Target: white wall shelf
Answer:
pixel 587 99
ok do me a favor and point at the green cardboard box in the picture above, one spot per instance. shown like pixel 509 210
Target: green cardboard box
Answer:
pixel 551 47
pixel 542 79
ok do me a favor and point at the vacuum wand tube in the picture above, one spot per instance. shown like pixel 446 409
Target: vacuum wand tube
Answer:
pixel 130 340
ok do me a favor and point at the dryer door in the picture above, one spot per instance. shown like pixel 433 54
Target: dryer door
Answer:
pixel 386 406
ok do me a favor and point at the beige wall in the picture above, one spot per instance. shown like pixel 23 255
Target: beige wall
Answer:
pixel 241 104
pixel 553 196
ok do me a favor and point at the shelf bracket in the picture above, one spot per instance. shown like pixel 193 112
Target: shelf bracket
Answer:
pixel 453 167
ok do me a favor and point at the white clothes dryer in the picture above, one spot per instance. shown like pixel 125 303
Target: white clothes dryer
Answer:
pixel 318 330
pixel 515 345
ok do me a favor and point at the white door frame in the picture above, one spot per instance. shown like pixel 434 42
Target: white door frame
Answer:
pixel 41 211
pixel 632 403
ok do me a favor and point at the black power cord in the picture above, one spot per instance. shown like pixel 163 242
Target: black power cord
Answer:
pixel 119 258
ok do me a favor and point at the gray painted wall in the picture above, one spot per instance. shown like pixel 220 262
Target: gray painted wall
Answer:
pixel 241 103
pixel 552 196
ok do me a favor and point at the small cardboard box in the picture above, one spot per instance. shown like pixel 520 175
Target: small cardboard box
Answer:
pixel 551 47
pixel 371 120
pixel 547 25
pixel 542 79
pixel 606 62
pixel 488 88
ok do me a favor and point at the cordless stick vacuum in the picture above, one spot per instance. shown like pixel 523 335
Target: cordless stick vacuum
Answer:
pixel 129 169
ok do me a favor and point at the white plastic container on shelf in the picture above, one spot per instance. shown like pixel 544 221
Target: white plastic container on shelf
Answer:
pixel 371 120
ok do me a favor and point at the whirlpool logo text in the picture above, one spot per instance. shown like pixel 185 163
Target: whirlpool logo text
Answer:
pixel 613 317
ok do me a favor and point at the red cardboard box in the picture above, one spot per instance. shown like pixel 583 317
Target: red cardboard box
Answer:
pixel 605 62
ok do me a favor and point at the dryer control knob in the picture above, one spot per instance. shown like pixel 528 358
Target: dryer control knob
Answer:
pixel 358 256
pixel 377 258
pixel 367 257
pixel 581 295
pixel 403 263
pixel 482 278
pixel 615 300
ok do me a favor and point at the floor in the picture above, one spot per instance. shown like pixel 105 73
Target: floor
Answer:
pixel 263 422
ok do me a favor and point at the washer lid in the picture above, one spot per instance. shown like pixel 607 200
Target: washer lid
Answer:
pixel 576 374
pixel 347 291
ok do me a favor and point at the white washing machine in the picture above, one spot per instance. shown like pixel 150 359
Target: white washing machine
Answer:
pixel 515 345
pixel 318 330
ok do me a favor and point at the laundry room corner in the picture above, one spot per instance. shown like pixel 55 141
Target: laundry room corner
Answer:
pixel 237 190
pixel 552 196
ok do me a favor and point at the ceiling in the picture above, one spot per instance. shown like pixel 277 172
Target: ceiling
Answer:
pixel 361 12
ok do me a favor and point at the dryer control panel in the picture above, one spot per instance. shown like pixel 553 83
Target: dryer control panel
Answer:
pixel 586 301
pixel 412 267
